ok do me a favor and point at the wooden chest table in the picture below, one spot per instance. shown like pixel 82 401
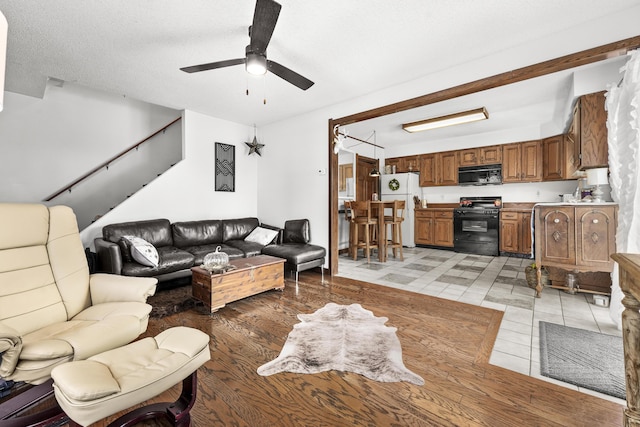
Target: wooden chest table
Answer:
pixel 251 276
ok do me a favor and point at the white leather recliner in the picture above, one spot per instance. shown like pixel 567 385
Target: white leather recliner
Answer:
pixel 52 310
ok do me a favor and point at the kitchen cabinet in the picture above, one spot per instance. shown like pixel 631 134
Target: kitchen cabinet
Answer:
pixel 344 171
pixel 575 237
pixel 443 228
pixel 403 164
pixel 588 132
pixel 480 156
pixel 438 169
pixel 515 232
pixel 557 163
pixel 424 227
pixel 434 227
pixel 522 162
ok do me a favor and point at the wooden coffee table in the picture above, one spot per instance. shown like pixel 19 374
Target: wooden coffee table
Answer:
pixel 251 276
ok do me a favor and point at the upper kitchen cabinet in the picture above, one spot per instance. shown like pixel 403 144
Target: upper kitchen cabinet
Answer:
pixel 480 156
pixel 403 164
pixel 522 162
pixel 588 132
pixel 439 169
pixel 557 158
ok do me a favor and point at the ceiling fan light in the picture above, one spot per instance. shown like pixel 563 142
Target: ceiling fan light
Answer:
pixel 256 64
pixel 448 120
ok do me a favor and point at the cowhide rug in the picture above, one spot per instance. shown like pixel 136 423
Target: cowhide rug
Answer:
pixel 343 338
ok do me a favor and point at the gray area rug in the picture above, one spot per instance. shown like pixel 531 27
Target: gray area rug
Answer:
pixel 343 338
pixel 583 358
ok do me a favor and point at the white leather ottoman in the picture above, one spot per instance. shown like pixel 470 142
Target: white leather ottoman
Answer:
pixel 92 389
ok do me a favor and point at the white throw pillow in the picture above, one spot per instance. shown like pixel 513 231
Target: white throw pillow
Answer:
pixel 260 235
pixel 142 251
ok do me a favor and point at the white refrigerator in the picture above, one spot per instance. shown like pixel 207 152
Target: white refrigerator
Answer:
pixel 403 186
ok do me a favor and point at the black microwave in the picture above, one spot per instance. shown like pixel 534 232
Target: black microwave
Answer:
pixel 480 175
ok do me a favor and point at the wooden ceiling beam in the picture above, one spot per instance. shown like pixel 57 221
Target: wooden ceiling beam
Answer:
pixel 566 62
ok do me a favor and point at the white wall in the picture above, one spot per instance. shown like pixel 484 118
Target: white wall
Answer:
pixel 187 191
pixel 289 185
pixel 66 134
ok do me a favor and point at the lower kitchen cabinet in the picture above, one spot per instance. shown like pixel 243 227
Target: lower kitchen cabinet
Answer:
pixel 434 227
pixel 515 232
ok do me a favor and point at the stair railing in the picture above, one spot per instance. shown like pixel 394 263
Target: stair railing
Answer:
pixel 108 162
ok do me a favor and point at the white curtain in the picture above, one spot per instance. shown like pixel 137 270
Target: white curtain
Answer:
pixel 623 124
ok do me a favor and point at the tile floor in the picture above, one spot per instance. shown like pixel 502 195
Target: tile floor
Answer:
pixel 494 282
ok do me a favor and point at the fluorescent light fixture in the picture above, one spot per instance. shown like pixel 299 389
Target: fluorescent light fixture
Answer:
pixel 256 64
pixel 4 33
pixel 448 120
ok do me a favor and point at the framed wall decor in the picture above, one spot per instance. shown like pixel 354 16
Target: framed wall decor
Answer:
pixel 225 167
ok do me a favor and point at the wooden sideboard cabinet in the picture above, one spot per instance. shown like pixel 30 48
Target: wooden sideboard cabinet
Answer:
pixel 515 232
pixel 630 285
pixel 434 227
pixel 575 237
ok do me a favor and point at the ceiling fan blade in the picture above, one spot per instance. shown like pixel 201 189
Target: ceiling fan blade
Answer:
pixel 289 75
pixel 264 21
pixel 213 65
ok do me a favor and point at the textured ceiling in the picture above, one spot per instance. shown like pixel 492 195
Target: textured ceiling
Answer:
pixel 349 48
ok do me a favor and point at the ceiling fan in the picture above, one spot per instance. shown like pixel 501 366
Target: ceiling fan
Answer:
pixel 264 21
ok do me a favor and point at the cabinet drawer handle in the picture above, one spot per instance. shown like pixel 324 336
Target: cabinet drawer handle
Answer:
pixel 595 221
pixel 556 220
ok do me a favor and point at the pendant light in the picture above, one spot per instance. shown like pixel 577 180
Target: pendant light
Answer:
pixel 374 172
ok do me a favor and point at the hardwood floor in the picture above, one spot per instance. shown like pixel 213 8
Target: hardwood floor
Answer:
pixel 446 342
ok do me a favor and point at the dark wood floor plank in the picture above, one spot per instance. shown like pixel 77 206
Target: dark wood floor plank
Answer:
pixel 445 342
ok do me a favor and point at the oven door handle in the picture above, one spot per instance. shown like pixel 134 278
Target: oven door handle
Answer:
pixel 476 217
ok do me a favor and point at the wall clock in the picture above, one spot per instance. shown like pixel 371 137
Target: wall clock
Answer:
pixel 394 184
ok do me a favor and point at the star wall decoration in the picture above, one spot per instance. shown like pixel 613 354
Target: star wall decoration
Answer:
pixel 254 147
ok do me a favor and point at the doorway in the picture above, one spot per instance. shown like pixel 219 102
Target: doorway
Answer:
pixel 366 185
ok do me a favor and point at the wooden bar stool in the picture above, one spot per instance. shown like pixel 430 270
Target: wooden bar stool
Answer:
pixel 395 220
pixel 361 211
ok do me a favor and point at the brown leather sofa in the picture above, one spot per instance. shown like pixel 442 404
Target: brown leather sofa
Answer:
pixel 182 245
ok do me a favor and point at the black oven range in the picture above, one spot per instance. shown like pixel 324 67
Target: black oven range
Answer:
pixel 476 226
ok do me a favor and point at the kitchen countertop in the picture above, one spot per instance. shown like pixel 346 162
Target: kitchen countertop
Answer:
pixel 517 207
pixel 439 206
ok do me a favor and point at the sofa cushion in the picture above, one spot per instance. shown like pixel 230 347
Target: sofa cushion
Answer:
pixel 171 259
pixel 246 247
pixel 262 235
pixel 296 253
pixel 195 233
pixel 125 249
pixel 278 239
pixel 296 231
pixel 155 231
pixel 142 251
pixel 238 229
pixel 199 252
